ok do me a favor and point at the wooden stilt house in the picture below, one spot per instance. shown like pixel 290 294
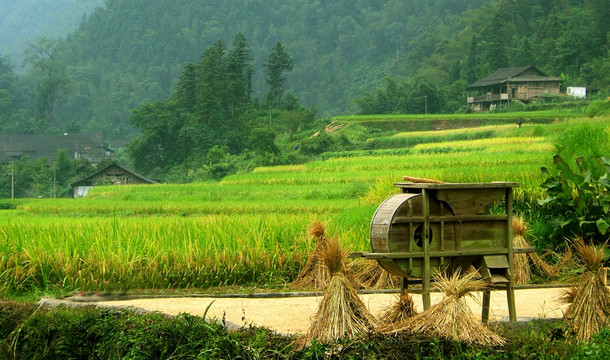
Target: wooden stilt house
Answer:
pixel 510 84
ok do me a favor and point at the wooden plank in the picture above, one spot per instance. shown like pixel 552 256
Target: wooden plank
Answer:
pixel 496 261
pixel 470 201
pixel 448 218
pixel 421 180
pixel 458 185
pixel 433 254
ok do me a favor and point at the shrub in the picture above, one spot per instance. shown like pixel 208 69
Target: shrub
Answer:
pixel 578 200
pixel 318 144
pixel 599 108
pixel 583 140
pixel 7 206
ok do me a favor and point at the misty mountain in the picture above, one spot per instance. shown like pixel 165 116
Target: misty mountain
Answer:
pixel 25 21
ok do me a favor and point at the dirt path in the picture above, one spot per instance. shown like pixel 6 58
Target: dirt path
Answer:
pixel 292 315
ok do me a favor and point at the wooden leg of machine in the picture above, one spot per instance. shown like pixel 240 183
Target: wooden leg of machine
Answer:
pixel 486 301
pixel 510 296
pixel 404 285
pixel 426 292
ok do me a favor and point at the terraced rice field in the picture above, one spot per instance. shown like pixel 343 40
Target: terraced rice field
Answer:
pixel 247 230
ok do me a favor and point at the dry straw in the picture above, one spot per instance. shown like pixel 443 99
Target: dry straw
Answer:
pixel 314 274
pixel 522 268
pixel 341 313
pixel 396 314
pixel 590 300
pixel 521 264
pixel 372 276
pixel 451 318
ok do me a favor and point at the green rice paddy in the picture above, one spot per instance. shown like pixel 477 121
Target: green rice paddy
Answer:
pixel 247 230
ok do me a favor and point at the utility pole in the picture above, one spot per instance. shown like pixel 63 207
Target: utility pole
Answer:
pixel 54 181
pixel 426 103
pixel 12 179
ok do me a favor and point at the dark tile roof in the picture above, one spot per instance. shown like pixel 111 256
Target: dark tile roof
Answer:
pixel 14 146
pixel 143 178
pixel 503 75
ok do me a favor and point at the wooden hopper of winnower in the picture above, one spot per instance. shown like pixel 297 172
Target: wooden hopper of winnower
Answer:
pixel 433 227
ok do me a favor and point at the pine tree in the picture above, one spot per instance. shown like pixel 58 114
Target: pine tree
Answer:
pixel 211 89
pixel 277 62
pixel 239 76
pixel 186 90
pixel 472 61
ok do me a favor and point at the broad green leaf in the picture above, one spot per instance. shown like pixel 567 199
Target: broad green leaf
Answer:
pixel 580 205
pixel 602 226
pixel 565 170
pixel 545 201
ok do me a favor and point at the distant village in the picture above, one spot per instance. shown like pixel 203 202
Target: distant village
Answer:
pixel 495 91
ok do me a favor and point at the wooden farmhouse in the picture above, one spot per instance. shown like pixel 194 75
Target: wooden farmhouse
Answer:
pixel 510 84
pixel 113 174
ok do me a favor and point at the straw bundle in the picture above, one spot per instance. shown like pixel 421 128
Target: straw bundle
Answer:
pixel 396 314
pixel 522 271
pixel 520 263
pixel 590 306
pixel 550 270
pixel 341 313
pixel 452 318
pixel 372 276
pixel 314 274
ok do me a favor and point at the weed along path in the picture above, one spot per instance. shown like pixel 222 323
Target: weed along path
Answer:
pixel 287 314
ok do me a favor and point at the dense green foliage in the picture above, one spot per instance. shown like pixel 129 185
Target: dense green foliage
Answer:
pixel 211 119
pixel 579 198
pixel 127 53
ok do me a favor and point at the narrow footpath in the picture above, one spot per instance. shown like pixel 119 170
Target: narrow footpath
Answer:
pixel 291 315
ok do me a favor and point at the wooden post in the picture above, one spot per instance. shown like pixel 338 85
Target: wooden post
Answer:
pixel 510 289
pixel 486 301
pixel 426 248
pixel 404 285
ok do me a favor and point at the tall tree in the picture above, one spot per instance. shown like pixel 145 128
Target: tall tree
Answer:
pixel 7 90
pixel 277 63
pixel 186 90
pixel 239 76
pixel 472 61
pixel 211 91
pixel 52 76
pixel 498 43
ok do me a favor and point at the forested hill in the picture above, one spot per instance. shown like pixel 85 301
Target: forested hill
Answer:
pixel 128 52
pixel 339 47
pixel 24 21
